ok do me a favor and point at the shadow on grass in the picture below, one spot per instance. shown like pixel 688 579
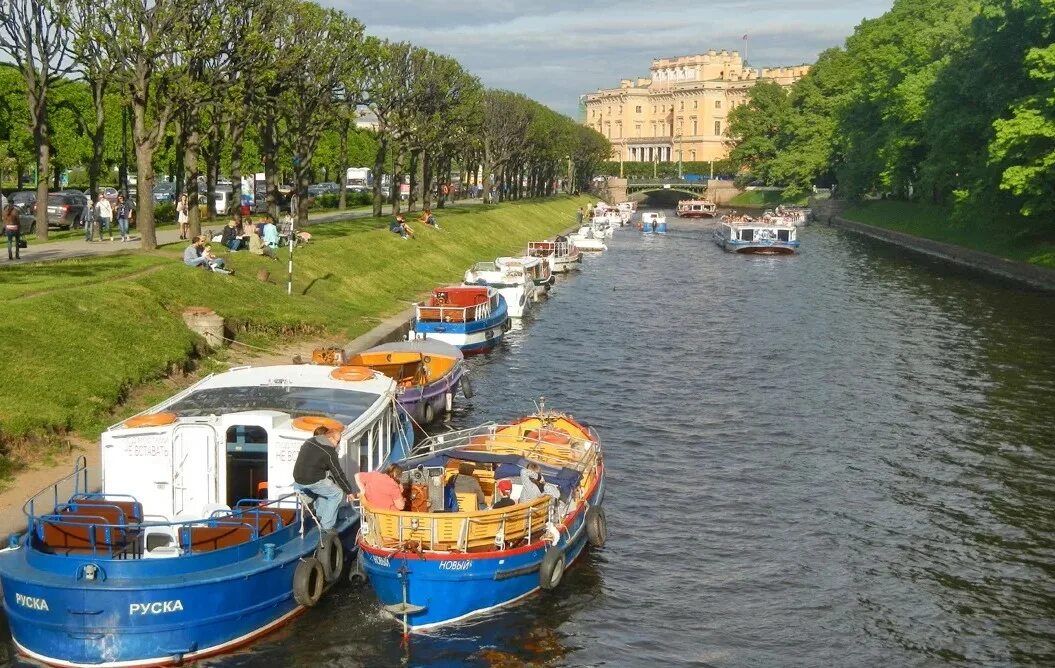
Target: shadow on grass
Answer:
pixel 314 281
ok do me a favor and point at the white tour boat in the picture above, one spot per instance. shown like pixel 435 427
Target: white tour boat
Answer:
pixel 514 284
pixel 586 240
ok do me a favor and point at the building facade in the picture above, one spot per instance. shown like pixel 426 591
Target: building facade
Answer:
pixel 680 112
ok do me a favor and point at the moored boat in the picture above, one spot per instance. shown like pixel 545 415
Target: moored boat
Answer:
pixel 696 208
pixel 514 284
pixel 197 542
pixel 757 237
pixel 586 240
pixel 561 254
pixel 536 269
pixel 653 222
pixel 428 375
pixel 471 318
pixel 441 565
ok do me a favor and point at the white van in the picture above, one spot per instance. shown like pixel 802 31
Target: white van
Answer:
pixel 222 199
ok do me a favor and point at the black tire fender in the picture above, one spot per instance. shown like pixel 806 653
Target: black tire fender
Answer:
pixel 467 387
pixel 309 581
pixel 551 570
pixel 331 555
pixel 356 574
pixel 596 526
pixel 428 413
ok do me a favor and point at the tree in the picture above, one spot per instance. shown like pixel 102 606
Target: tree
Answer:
pixel 506 119
pixel 34 34
pixel 755 129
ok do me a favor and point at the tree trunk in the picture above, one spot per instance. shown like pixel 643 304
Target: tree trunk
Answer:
pixel 95 165
pixel 342 200
pixel 269 151
pixel 191 149
pixel 178 172
pixel 397 179
pixel 40 134
pixel 145 173
pixel 415 182
pixel 234 207
pixel 426 180
pixel 379 169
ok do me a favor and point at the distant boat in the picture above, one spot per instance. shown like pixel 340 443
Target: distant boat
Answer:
pixel 537 269
pixel 473 319
pixel 653 223
pixel 696 208
pixel 756 237
pixel 561 254
pixel 428 375
pixel 515 284
pixel 442 563
pixel 587 240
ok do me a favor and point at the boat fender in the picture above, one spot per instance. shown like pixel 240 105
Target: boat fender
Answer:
pixel 596 526
pixel 308 582
pixel 553 533
pixel 428 413
pixel 551 570
pixel 356 574
pixel 448 401
pixel 331 555
pixel 467 387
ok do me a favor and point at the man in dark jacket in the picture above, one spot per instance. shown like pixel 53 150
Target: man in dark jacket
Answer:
pixel 318 471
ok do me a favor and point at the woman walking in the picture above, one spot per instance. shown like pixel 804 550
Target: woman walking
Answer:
pixel 182 216
pixel 13 232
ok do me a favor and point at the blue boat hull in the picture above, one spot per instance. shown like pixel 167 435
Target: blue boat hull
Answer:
pixel 154 611
pixel 470 337
pixel 455 587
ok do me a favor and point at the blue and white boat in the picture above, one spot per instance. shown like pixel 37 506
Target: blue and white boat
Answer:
pixel 772 237
pixel 471 318
pixel 197 542
pixel 653 222
pixel 443 564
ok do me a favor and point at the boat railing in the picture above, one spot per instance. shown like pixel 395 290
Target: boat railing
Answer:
pixel 76 482
pixel 448 313
pixel 539 444
pixel 462 531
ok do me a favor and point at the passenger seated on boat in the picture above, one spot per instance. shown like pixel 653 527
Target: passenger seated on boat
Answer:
pixel 535 485
pixel 382 490
pixel 318 471
pixel 466 483
pixel 503 488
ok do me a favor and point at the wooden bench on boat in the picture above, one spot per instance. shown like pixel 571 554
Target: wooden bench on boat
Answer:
pixel 216 536
pixel 474 531
pixel 91 525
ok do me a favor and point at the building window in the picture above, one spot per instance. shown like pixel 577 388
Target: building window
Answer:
pixel 637 130
pixel 620 110
pixel 695 128
pixel 692 156
pixel 682 106
pixel 717 104
pixel 593 113
pixel 653 109
pixel 717 127
pixel 695 104
pixel 618 130
pixel 637 109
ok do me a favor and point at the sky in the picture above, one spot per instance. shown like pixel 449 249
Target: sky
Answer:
pixel 556 50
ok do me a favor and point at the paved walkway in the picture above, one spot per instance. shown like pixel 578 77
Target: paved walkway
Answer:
pixel 75 248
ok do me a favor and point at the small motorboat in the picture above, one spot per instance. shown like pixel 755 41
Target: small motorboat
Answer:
pixel 561 254
pixel 428 374
pixel 449 559
pixel 198 541
pixel 472 318
pixel 536 269
pixel 696 208
pixel 515 284
pixel 586 240
pixel 775 237
pixel 653 222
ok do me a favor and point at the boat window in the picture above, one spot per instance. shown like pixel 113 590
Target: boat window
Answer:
pixel 379 447
pixel 246 463
pixel 342 405
pixel 747 234
pixel 784 235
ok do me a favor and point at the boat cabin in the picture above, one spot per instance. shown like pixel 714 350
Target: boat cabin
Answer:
pixel 458 304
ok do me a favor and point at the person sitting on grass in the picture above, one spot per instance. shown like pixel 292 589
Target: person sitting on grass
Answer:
pixel 429 219
pixel 231 236
pixel 399 226
pixel 213 262
pixel 271 234
pixel 256 244
pixel 192 254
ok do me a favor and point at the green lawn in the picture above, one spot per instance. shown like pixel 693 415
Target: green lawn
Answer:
pixel 763 199
pixel 77 336
pixel 1005 238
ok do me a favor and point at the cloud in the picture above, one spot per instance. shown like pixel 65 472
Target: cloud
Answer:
pixel 554 51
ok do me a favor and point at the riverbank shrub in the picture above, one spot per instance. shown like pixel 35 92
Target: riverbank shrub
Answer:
pixel 77 336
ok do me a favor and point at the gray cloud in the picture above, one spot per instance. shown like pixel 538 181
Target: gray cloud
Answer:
pixel 554 51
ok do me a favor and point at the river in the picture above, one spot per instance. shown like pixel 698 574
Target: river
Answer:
pixel 839 458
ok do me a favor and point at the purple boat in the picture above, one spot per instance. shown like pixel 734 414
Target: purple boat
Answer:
pixel 428 373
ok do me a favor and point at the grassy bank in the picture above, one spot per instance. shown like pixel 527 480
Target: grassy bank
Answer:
pixel 1005 239
pixel 77 336
pixel 763 199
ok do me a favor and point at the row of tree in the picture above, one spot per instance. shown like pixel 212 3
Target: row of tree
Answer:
pixel 246 84
pixel 949 101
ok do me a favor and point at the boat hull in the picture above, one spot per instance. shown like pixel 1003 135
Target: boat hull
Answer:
pixel 758 247
pixel 430 401
pixel 695 214
pixel 456 587
pixel 148 612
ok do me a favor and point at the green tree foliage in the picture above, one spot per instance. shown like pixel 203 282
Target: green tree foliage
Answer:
pixel 756 129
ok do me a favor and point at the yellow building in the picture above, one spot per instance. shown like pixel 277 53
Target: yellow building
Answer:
pixel 681 109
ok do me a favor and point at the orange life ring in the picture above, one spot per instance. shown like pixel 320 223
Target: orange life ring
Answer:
pixel 356 373
pixel 313 422
pixel 151 420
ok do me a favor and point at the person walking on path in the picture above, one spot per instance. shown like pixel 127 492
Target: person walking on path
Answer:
pixel 124 215
pixel 13 232
pixel 182 216
pixel 317 470
pixel 105 213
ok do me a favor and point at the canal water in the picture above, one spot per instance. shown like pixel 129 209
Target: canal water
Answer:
pixel 840 458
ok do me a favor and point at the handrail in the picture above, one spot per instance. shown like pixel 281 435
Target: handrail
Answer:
pixel 80 472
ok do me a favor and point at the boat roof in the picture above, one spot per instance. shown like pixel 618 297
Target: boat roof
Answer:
pixel 423 346
pixel 294 389
pixel 525 260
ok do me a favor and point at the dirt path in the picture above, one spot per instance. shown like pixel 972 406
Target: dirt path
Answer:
pixel 41 475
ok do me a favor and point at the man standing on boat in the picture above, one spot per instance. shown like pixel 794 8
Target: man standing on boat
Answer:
pixel 318 471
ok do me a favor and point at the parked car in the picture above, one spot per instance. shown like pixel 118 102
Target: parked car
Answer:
pixel 28 224
pixel 24 200
pixel 165 192
pixel 65 210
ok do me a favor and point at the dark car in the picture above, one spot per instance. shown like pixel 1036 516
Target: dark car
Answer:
pixel 66 210
pixel 24 200
pixel 165 192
